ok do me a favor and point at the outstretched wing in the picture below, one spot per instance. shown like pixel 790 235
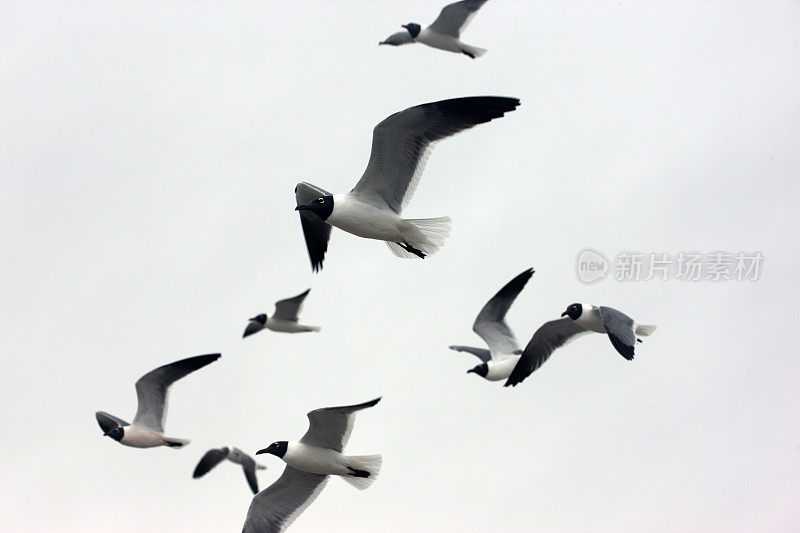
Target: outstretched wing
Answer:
pixel 276 507
pixel 490 324
pixel 330 427
pixel 455 18
pixel 152 389
pixel 289 308
pixel 249 467
pixel 619 328
pixel 108 421
pixel 402 142
pixel 482 353
pixel 316 231
pixel 547 339
pixel 211 459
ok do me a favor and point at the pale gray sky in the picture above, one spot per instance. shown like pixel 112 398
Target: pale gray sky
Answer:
pixel 148 154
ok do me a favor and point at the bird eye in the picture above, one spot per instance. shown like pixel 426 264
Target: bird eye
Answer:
pixel 320 200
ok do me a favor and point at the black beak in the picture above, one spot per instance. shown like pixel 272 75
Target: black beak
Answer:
pixel 304 207
pixel 564 313
pixel 470 370
pixel 259 452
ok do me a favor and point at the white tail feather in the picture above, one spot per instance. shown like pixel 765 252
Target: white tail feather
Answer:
pixel 176 443
pixel 425 234
pixel 644 330
pixel 370 463
pixel 474 50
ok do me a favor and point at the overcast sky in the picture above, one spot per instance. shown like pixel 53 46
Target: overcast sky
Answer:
pixel 148 156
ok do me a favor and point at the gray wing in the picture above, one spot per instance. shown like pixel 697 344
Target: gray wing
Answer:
pixel 399 38
pixel 402 142
pixel 289 308
pixel 619 328
pixel 249 467
pixel 252 327
pixel 330 427
pixel 212 458
pixel 482 353
pixel 490 324
pixel 316 231
pixel 152 389
pixel 276 507
pixel 547 339
pixel 108 421
pixel 455 17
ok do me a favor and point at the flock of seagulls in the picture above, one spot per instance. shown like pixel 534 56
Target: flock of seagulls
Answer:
pixel 401 144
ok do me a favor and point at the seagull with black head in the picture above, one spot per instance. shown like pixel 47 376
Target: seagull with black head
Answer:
pixel 445 32
pixel 152 391
pixel 401 145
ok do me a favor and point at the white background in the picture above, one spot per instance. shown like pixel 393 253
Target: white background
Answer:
pixel 148 156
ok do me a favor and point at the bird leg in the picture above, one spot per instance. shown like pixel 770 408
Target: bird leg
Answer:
pixel 408 248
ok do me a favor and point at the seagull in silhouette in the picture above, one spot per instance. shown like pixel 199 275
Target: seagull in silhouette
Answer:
pixel 445 32
pixel 499 360
pixel 152 390
pixel 577 320
pixel 284 318
pixel 400 146
pixel 309 462
pixel 215 456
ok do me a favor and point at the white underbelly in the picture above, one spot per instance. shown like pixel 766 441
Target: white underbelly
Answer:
pixel 440 41
pixel 366 220
pixel 141 438
pixel 592 321
pixel 315 460
pixel 284 326
pixel 501 368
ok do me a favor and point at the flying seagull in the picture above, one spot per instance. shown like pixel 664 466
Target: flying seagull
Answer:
pixel 152 390
pixel 499 360
pixel 214 456
pixel 400 146
pixel 574 322
pixel 309 462
pixel 283 319
pixel 445 32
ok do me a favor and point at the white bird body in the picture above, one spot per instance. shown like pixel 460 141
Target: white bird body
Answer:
pixel 141 437
pixel 316 460
pixel 287 326
pixel 434 39
pixel 501 368
pixel 591 319
pixel 366 220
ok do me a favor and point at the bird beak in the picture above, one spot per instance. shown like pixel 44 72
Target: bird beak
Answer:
pixel 564 313
pixel 304 207
pixel 259 452
pixel 470 370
